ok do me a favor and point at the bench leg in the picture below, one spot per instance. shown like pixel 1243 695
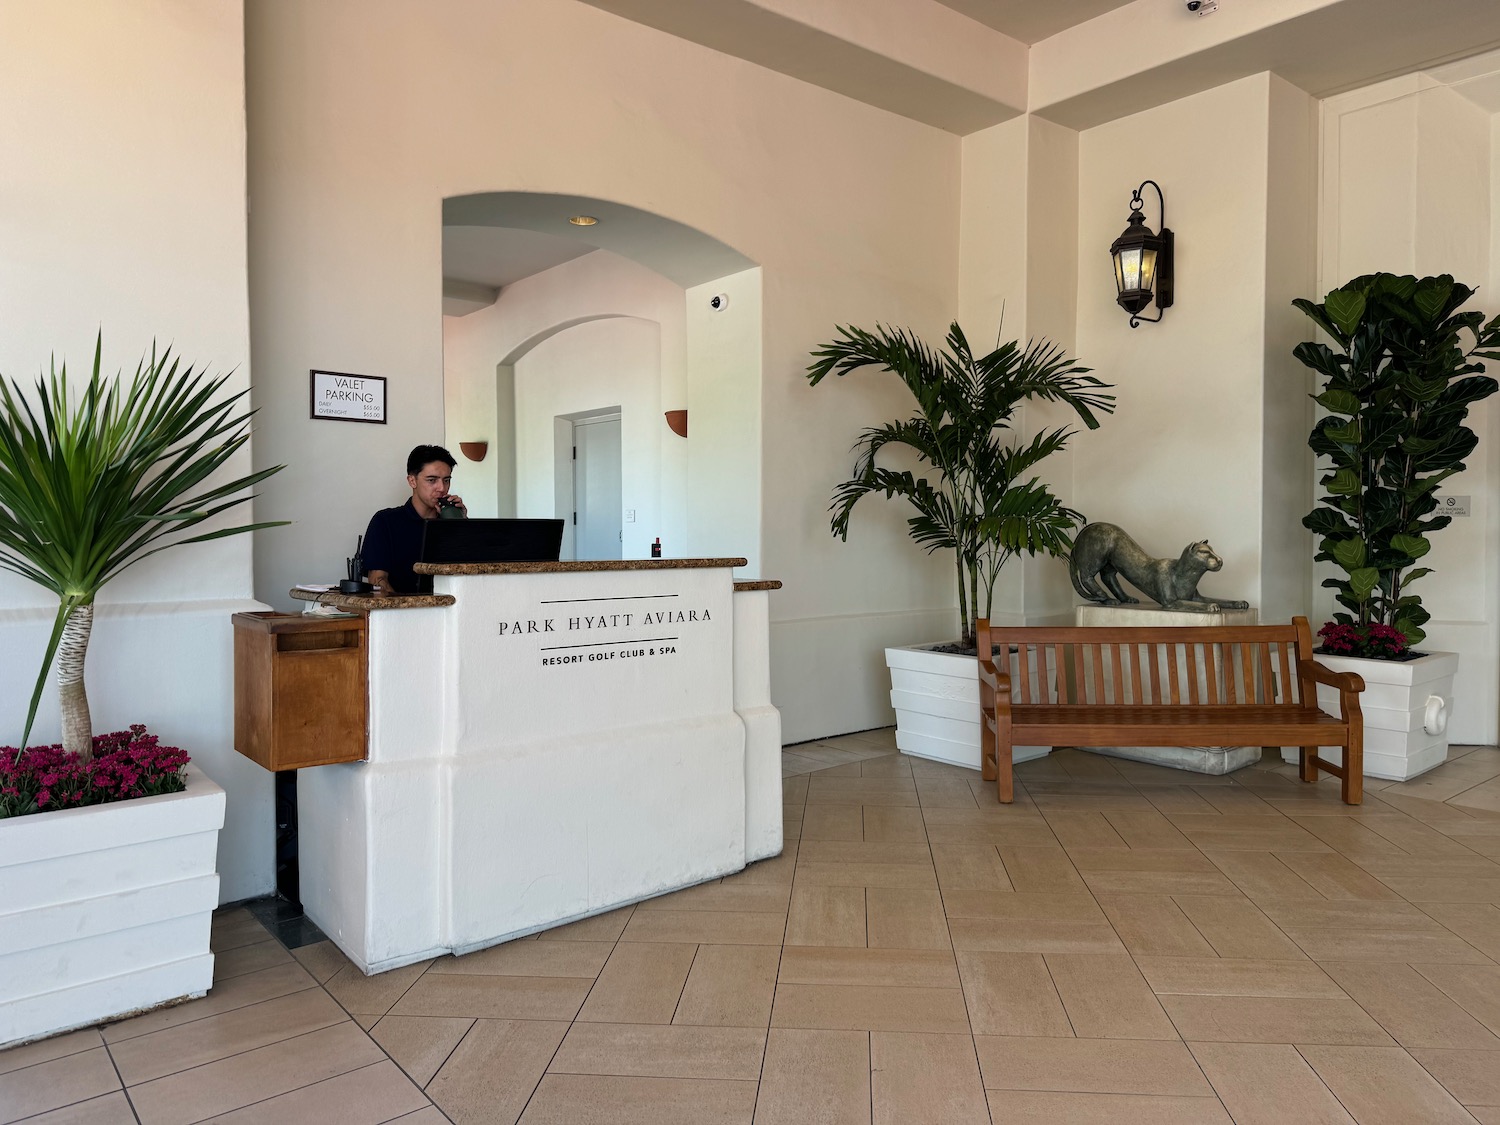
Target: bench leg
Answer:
pixel 1005 783
pixel 1308 765
pixel 1353 786
pixel 986 748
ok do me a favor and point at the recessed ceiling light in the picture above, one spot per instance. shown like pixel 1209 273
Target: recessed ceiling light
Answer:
pixel 582 220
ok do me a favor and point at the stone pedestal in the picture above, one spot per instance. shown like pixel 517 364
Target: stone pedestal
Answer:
pixel 1199 759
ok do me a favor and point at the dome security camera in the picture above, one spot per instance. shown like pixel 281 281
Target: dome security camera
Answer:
pixel 1203 7
pixel 719 302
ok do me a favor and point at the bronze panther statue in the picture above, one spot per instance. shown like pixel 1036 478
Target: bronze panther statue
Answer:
pixel 1103 553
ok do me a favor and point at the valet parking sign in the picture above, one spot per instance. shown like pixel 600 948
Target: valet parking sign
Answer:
pixel 342 397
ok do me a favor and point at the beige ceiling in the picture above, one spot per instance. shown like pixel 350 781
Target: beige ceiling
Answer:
pixel 1031 20
pixel 498 256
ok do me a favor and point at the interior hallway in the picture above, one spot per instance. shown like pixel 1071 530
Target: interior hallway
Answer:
pixel 1124 944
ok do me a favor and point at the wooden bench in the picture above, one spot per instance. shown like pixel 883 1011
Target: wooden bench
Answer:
pixel 1211 686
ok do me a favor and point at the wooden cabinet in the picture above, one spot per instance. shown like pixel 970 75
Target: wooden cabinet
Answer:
pixel 300 690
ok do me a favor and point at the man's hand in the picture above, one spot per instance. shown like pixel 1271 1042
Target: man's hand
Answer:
pixel 382 583
pixel 457 502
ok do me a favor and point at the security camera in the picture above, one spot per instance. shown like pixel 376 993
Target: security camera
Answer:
pixel 1203 7
pixel 719 302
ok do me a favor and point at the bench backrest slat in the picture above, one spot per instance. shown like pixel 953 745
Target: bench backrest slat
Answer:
pixel 1210 665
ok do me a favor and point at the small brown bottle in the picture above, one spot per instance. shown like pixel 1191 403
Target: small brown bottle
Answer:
pixel 656 548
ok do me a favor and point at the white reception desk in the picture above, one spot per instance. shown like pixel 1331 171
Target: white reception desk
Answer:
pixel 546 741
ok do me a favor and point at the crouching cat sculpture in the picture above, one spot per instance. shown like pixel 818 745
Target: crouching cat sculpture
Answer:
pixel 1103 553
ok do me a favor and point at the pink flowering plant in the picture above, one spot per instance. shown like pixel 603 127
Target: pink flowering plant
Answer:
pixel 1373 642
pixel 125 764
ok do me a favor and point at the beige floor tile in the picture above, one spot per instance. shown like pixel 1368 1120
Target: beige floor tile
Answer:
pixel 866 874
pixel 1249 832
pixel 242 959
pixel 59 1046
pixel 429 1116
pixel 1011 994
pixel 890 825
pixel 908 968
pixel 322 959
pixel 834 822
pixel 1263 877
pixel 751 897
pixel 925 1080
pixel 1273 1019
pixel 265 1072
pixel 1485 1115
pixel 642 983
pixel 815 1076
pixel 233 928
pixel 234 993
pixel 869 1008
pixel 1030 1107
pixel 1147 829
pixel 1472 1077
pixel 110 1109
pixel 1219 976
pixel 969 867
pixel 1107 998
pixel 1414 837
pixel 203 1041
pixel 905 919
pixel 494 997
pixel 1452 888
pixel 858 791
pixel 1348 836
pixel 826 916
pixel 1083 830
pixel 1154 926
pixel 374 996
pixel 494 1070
pixel 1098 1066
pixel 1476 922
pixel 776 871
pixel 366 1021
pixel 863 852
pixel 574 1099
pixel 1475 987
pixel 1268 1084
pixel 1352 914
pixel 717 927
pixel 1044 870
pixel 1031 935
pixel 420 1044
pixel 1430 867
pixel 55 1083
pixel 1001 831
pixel 1234 800
pixel 1175 800
pixel 1336 944
pixel 1138 859
pixel 1384 1086
pixel 1038 907
pixel 601 927
pixel 362 1097
pixel 1337 877
pixel 945 793
pixel 1236 927
pixel 730 986
pixel 1410 1007
pixel 656 1051
pixel 531 959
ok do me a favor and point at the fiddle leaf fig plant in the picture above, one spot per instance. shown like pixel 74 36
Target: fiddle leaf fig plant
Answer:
pixel 1397 393
pixel 984 504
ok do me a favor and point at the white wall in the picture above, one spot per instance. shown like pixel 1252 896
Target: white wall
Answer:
pixel 122 211
pixel 1409 178
pixel 364 116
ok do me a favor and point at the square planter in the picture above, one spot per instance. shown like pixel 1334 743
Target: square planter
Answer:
pixel 936 697
pixel 106 909
pixel 1406 705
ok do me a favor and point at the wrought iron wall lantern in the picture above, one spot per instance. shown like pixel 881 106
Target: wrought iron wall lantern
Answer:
pixel 1143 260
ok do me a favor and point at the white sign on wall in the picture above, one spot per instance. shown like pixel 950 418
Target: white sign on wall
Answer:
pixel 348 398
pixel 1454 505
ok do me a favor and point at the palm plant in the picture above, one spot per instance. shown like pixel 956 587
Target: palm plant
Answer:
pixel 980 507
pixel 92 483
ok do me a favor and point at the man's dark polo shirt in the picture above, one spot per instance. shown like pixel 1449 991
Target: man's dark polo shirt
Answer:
pixel 393 542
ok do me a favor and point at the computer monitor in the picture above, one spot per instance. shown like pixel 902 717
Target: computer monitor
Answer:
pixel 491 541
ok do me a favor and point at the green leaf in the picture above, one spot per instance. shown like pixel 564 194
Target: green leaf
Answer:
pixel 1338 401
pixel 1345 482
pixel 1344 309
pixel 1412 575
pixel 1363 581
pixel 1349 554
pixel 1412 545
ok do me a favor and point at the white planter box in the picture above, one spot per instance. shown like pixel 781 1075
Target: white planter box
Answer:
pixel 936 696
pixel 106 910
pixel 1399 708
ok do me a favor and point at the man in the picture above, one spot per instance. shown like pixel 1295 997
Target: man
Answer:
pixel 393 541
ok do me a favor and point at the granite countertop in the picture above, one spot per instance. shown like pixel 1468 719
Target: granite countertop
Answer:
pixel 363 603
pixel 576 567
pixel 757 584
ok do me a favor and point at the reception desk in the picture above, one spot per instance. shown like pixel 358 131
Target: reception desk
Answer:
pixel 546 741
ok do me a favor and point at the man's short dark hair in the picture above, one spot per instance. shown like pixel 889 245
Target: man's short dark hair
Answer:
pixel 426 455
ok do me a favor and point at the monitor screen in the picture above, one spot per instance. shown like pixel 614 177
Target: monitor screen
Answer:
pixel 491 541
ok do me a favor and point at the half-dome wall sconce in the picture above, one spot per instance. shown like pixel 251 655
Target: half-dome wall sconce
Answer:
pixel 677 422
pixel 474 450
pixel 1143 260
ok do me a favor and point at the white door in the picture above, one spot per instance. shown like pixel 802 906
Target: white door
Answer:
pixel 596 488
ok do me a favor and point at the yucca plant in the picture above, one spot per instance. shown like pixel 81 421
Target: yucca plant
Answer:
pixel 93 481
pixel 1397 395
pixel 983 506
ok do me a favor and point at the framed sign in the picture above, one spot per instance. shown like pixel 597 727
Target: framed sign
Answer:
pixel 348 398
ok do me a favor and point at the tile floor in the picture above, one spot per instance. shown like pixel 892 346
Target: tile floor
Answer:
pixel 1124 944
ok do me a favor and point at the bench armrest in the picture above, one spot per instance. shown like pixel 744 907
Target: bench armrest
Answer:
pixel 1344 681
pixel 997 680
